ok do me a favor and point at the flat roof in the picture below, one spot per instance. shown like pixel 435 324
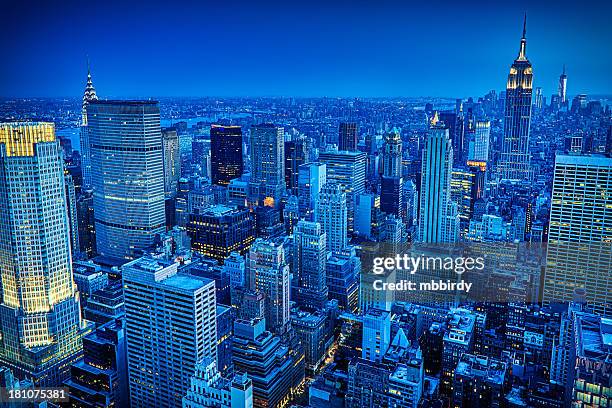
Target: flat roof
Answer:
pixel 133 102
pixel 585 160
pixel 186 282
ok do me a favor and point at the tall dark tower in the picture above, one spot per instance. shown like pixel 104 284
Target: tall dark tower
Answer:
pixel 514 163
pixel 347 138
pixel 225 153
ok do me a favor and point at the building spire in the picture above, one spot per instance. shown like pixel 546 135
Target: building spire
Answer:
pixel 564 69
pixel 88 96
pixel 522 51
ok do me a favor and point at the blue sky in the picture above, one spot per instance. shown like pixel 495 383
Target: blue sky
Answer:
pixel 299 48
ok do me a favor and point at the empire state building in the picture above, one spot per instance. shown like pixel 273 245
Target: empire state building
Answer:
pixel 514 163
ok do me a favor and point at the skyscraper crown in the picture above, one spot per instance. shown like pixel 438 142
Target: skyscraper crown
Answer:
pixel 88 96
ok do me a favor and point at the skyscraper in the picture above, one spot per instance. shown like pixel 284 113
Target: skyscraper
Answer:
pixel 367 215
pixel 127 175
pixel 310 254
pixel 579 254
pixel 226 161
pixel 478 148
pixel 348 169
pixel 332 215
pixel 172 161
pixel 467 186
pixel 311 178
pixel 515 160
pixel 170 326
pixel 562 89
pixel 391 179
pixel 88 96
pixel 438 220
pixel 40 321
pixel 295 156
pixel 201 155
pixel 267 150
pixel 347 137
pixel 268 272
pixel 454 120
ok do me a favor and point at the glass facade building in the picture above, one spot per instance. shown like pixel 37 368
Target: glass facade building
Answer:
pixel 40 322
pixel 127 175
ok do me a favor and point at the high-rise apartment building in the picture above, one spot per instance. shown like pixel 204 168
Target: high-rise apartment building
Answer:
pixel 170 327
pixel 40 320
pixel 515 160
pixel 579 251
pixel 226 162
pixel 127 175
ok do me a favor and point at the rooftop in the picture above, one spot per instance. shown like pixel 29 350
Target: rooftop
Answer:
pixel 186 282
pixel 218 210
pixel 585 159
pixel 132 102
pixel 486 368
pixel 593 337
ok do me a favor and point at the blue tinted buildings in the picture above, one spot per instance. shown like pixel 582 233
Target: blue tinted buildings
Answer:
pixel 128 199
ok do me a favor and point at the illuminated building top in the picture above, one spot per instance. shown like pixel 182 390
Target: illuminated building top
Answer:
pixel 88 96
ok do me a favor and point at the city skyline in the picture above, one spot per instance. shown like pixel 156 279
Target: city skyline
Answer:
pixel 307 252
pixel 368 54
